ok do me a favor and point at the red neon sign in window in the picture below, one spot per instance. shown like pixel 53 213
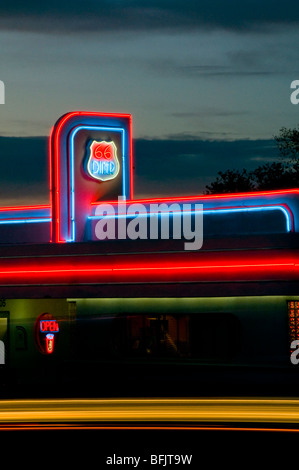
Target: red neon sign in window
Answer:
pixel 46 331
pixel 49 326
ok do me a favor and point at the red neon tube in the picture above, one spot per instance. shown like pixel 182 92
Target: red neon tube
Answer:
pixel 54 161
pixel 153 267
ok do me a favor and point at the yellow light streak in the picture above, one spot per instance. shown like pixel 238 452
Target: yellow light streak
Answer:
pixel 275 411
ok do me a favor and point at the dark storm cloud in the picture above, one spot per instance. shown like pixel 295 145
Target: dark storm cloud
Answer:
pixel 209 112
pixel 23 168
pixel 93 15
pixel 180 157
pixel 185 166
pixel 222 71
pixel 174 166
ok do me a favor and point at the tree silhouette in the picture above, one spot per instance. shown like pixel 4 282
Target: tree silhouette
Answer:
pixel 277 175
pixel 231 181
pixel 288 144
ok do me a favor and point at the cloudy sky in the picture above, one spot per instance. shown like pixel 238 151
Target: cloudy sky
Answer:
pixel 207 84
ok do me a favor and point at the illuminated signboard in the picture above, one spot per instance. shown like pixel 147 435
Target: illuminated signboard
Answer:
pixel 49 326
pixel 46 331
pixel 102 162
pixel 90 162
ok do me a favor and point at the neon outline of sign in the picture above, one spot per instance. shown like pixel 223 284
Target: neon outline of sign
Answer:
pixel 24 221
pixel 252 194
pixel 72 172
pixel 164 267
pixel 283 207
pixel 54 159
pixel 24 208
pixel 286 211
pixel 25 214
pixel 230 197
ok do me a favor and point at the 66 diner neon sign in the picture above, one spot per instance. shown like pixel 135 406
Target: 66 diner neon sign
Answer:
pixel 102 162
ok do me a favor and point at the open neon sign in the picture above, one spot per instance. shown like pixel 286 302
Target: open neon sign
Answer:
pixel 49 326
pixel 46 332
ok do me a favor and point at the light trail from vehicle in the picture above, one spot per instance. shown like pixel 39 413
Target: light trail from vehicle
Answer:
pixel 151 412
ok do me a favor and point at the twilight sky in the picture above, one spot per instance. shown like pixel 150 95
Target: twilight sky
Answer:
pixel 207 84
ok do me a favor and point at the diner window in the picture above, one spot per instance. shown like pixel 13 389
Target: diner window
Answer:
pixel 208 337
